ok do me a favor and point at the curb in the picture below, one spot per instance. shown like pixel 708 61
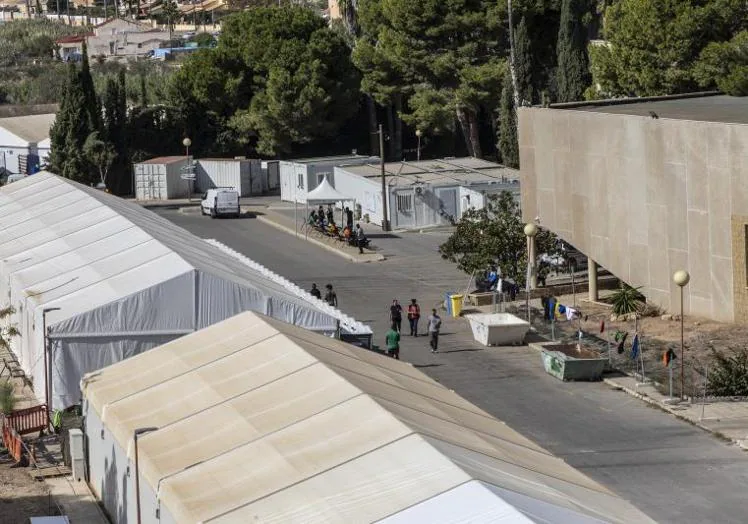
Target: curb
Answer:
pixel 288 230
pixel 741 443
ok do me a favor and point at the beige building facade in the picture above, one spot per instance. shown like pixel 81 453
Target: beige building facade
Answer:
pixel 646 189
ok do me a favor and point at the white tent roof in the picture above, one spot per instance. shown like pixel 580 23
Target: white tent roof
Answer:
pixel 86 252
pixel 261 421
pixel 324 193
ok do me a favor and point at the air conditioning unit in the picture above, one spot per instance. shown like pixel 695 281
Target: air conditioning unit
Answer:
pixel 77 455
pixel 419 190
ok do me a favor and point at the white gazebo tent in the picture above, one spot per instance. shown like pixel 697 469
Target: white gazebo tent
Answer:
pixel 324 193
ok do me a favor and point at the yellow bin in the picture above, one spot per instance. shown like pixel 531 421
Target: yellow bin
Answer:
pixel 456 305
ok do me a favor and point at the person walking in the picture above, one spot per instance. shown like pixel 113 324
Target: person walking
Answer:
pixel 315 292
pixel 331 297
pixel 414 314
pixel 396 315
pixel 360 238
pixel 435 324
pixel 392 341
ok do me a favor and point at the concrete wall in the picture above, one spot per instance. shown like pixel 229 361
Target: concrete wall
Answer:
pixel 645 197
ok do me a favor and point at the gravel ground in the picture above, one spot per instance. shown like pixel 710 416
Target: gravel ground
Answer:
pixel 21 496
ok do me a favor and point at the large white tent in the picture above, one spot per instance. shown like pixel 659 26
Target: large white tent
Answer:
pixel 125 280
pixel 254 420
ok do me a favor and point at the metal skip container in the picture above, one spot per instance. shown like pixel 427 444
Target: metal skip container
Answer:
pixel 571 361
pixel 498 329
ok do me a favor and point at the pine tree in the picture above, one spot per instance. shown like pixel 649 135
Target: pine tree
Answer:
pixel 143 92
pixel 524 63
pixel 508 142
pixel 573 74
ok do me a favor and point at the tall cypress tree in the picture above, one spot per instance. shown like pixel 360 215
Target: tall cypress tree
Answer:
pixel 573 73
pixel 524 63
pixel 91 101
pixel 59 131
pixel 508 141
pixel 115 130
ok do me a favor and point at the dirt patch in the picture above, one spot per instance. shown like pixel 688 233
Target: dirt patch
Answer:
pixel 657 336
pixel 21 496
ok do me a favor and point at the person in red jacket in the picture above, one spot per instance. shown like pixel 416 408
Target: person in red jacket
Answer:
pixel 414 314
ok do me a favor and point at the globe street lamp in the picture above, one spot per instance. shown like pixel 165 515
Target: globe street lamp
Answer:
pixel 418 135
pixel 681 279
pixel 187 143
pixel 530 231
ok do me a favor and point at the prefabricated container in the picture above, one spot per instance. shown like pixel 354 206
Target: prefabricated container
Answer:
pixel 571 361
pixel 243 174
pixel 161 178
pixel 498 329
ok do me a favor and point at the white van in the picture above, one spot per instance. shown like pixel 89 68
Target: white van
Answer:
pixel 221 201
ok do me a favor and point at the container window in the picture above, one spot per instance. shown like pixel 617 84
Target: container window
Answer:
pixel 301 181
pixel 405 203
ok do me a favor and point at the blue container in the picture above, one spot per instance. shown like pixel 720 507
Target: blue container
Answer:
pixel 448 302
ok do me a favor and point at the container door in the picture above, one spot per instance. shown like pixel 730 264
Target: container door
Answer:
pixel 447 205
pixel 404 209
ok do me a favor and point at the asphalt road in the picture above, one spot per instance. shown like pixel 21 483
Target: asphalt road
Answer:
pixel 671 470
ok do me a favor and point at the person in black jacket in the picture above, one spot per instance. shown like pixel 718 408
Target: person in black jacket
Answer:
pixel 396 314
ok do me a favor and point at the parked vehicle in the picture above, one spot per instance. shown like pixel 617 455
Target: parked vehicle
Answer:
pixel 568 258
pixel 221 201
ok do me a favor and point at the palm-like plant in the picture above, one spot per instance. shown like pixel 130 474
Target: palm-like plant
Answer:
pixel 628 300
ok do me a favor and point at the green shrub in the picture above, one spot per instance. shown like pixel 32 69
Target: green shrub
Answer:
pixel 7 399
pixel 728 376
pixel 627 300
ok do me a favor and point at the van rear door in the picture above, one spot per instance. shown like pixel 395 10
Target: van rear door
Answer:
pixel 228 202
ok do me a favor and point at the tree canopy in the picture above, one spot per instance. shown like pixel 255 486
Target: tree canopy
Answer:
pixel 653 48
pixel 278 77
pixel 495 235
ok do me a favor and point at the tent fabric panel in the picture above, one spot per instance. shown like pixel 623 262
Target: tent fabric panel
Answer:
pixel 201 388
pixel 72 359
pixel 549 487
pixel 89 291
pixel 471 502
pixel 505 440
pixel 176 358
pixel 369 488
pixel 102 251
pixel 491 446
pixel 345 359
pixel 168 306
pixel 239 420
pixel 308 448
pixel 540 511
pixel 220 299
pixel 324 193
pixel 32 234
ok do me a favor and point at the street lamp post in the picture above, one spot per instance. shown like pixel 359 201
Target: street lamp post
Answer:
pixel 187 143
pixel 681 279
pixel 530 231
pixel 418 135
pixel 47 360
pixel 136 434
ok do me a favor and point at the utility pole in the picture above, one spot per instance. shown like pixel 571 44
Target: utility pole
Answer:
pixel 385 216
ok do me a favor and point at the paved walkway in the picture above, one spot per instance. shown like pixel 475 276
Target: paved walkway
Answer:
pixel 76 500
pixel 726 419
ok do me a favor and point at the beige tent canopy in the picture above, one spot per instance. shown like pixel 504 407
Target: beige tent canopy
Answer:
pixel 254 420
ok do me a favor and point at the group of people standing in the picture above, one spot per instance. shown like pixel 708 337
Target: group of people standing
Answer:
pixel 392 338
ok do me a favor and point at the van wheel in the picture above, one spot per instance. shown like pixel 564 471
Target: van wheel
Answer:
pixel 213 213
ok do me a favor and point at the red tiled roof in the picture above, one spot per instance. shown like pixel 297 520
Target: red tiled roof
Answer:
pixel 73 39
